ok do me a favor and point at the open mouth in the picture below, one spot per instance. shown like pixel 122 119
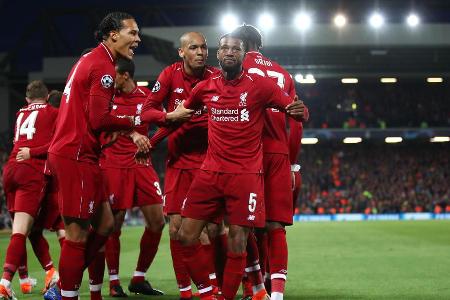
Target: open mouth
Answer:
pixel 132 48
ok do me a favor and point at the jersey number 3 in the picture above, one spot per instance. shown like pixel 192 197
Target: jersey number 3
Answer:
pixel 27 127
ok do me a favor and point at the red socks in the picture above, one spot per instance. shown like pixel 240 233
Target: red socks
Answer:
pixel 278 253
pixel 209 249
pixel 96 270
pixel 195 256
pixel 94 242
pixel 253 268
pixel 14 255
pixel 41 249
pixel 221 245
pixel 71 267
pixel 181 273
pixel 112 252
pixel 234 271
pixel 149 247
pixel 23 266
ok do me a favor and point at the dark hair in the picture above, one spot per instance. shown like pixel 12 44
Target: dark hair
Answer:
pixel 250 35
pixel 112 21
pixel 125 65
pixel 36 89
pixel 54 98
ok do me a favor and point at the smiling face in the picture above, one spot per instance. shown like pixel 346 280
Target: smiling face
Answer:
pixel 230 54
pixel 193 50
pixel 126 39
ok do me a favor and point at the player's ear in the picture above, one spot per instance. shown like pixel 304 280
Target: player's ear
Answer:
pixel 114 35
pixel 180 53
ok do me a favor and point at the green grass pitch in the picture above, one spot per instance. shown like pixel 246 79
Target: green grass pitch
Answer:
pixel 348 260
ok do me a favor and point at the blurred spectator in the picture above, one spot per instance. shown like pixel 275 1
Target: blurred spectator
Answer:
pixel 375 179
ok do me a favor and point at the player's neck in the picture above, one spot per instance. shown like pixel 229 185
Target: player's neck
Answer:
pixel 128 86
pixel 193 72
pixel 230 75
pixel 37 101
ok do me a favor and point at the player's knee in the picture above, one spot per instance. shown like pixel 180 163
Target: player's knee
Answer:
pixel 156 225
pixel 187 238
pixel 273 225
pixel 173 232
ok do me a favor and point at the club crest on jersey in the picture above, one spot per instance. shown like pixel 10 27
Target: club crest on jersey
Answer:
pixel 156 87
pixel 139 108
pixel 243 98
pixel 215 98
pixel 106 81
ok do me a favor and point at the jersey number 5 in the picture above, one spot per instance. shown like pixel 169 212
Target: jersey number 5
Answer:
pixel 27 127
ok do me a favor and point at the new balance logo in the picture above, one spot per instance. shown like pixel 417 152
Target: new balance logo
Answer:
pixel 215 98
pixel 111 199
pixel 178 90
pixel 245 115
pixel 139 108
pixel 243 98
pixel 91 207
pixel 251 218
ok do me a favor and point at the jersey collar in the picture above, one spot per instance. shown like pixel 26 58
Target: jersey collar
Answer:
pixel 108 52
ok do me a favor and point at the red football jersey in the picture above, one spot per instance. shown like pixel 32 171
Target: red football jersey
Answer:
pixel 34 129
pixel 187 145
pixel 85 107
pixel 121 153
pixel 235 120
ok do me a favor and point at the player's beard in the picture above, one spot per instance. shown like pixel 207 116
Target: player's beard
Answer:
pixel 231 70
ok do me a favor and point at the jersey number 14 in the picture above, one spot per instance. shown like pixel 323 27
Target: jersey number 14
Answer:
pixel 27 127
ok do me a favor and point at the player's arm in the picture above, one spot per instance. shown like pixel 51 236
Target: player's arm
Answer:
pixel 278 98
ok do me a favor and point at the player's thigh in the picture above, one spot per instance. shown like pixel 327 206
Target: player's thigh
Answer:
pixel 147 188
pixel 119 187
pixel 244 200
pixel 176 185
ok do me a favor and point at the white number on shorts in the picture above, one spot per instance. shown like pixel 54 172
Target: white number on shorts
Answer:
pixel 158 188
pixel 27 127
pixel 278 76
pixel 252 202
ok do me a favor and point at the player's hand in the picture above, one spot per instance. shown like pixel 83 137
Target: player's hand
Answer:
pixel 296 109
pixel 142 158
pixel 180 114
pixel 23 154
pixel 141 141
pixel 293 180
pixel 110 138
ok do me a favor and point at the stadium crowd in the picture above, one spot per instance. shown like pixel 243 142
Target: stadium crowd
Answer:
pixel 410 104
pixel 375 179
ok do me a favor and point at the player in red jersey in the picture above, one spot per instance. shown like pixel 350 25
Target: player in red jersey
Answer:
pixel 75 149
pixel 129 184
pixel 23 176
pixel 186 146
pixel 279 151
pixel 230 180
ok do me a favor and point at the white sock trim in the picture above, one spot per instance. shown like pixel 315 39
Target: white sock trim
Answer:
pixel 253 268
pixel 278 276
pixel 276 296
pixel 95 287
pixel 139 274
pixel 184 289
pixel 69 293
pixel 113 277
pixel 23 280
pixel 212 276
pixel 5 283
pixel 205 290
pixel 257 288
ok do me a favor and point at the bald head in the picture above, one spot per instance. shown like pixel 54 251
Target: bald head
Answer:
pixel 189 37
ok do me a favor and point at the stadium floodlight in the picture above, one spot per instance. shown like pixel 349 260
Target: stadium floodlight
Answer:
pixel 352 140
pixel 142 83
pixel 229 22
pixel 440 139
pixel 388 80
pixel 310 141
pixel 340 20
pixel 376 20
pixel 308 79
pixel 412 20
pixel 393 139
pixel 349 80
pixel 302 21
pixel 435 79
pixel 266 21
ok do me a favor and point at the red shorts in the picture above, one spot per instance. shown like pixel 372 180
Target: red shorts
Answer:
pixel 240 197
pixel 80 186
pixel 49 217
pixel 24 188
pixel 278 188
pixel 176 186
pixel 127 188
